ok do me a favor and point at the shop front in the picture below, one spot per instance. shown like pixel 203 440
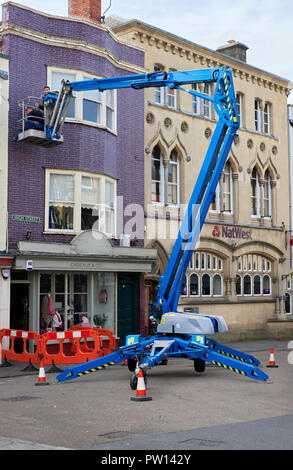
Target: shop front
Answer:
pixel 89 282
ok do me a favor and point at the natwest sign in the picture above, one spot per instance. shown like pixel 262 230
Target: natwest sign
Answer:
pixel 235 232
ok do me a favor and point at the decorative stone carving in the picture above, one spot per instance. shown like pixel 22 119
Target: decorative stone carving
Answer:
pixel 168 123
pixel 250 143
pixel 150 118
pixel 184 127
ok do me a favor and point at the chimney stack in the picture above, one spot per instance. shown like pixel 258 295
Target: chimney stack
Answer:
pixel 86 9
pixel 234 49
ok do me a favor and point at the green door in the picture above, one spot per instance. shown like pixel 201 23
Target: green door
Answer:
pixel 127 306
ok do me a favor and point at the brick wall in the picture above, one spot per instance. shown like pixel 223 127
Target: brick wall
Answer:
pixel 85 148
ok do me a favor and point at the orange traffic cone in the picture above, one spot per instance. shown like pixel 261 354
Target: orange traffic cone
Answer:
pixel 42 376
pixel 140 389
pixel 272 362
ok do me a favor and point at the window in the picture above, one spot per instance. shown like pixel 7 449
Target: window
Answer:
pixel 195 100
pixel 173 179
pixel 266 285
pixel 247 284
pixel 267 118
pixel 61 202
pixel 171 98
pixel 259 284
pixel 90 202
pixel 202 283
pixel 194 284
pixel 267 195
pixel 238 285
pixel 206 285
pixel 217 285
pixel 207 103
pixel 227 188
pixel 157 175
pixel 79 201
pixel 56 80
pixel 159 91
pixel 161 180
pixel 239 104
pixel 255 194
pixel 223 197
pixel 257 116
pixel 90 107
pixel 184 287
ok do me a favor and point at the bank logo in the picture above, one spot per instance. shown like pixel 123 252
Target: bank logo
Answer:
pixel 216 231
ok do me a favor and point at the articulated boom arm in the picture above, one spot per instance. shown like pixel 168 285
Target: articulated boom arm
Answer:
pixel 225 105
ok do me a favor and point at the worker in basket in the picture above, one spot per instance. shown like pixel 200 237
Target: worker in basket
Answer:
pixel 34 118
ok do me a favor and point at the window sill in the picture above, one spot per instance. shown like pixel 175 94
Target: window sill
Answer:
pixel 91 124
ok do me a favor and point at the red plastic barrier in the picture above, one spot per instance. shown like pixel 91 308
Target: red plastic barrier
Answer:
pixel 108 345
pixel 74 351
pixel 20 350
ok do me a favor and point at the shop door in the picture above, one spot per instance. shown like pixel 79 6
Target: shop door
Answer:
pixel 127 306
pixel 19 307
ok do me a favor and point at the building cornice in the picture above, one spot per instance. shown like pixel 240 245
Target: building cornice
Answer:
pixel 56 41
pixel 175 45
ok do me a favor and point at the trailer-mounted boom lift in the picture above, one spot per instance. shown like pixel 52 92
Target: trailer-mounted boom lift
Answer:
pixel 178 334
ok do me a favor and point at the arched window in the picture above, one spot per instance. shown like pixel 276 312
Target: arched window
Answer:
pixel 288 303
pixel 184 287
pixel 257 285
pixel 255 193
pixel 238 285
pixel 217 285
pixel 267 195
pixel 206 285
pixel 266 285
pixel 157 175
pixel 194 284
pixel 173 179
pixel 247 284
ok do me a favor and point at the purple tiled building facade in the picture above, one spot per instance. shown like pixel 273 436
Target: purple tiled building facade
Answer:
pixel 35 43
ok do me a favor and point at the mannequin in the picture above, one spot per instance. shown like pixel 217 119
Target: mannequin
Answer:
pixel 47 310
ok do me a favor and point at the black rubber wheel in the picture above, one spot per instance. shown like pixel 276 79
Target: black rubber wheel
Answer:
pixel 131 364
pixel 133 381
pixel 199 365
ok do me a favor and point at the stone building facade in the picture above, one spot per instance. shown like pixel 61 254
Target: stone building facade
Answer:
pixel 239 265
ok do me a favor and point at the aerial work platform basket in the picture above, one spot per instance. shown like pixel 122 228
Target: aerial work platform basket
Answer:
pixel 36 114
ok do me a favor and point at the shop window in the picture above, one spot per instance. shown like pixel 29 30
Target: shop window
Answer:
pixel 260 283
pixel 202 283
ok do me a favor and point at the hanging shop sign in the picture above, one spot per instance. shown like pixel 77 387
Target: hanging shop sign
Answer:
pixel 233 233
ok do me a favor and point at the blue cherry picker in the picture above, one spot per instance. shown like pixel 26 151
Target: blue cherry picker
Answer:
pixel 178 335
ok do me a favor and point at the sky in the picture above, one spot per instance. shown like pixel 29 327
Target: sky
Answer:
pixel 265 26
